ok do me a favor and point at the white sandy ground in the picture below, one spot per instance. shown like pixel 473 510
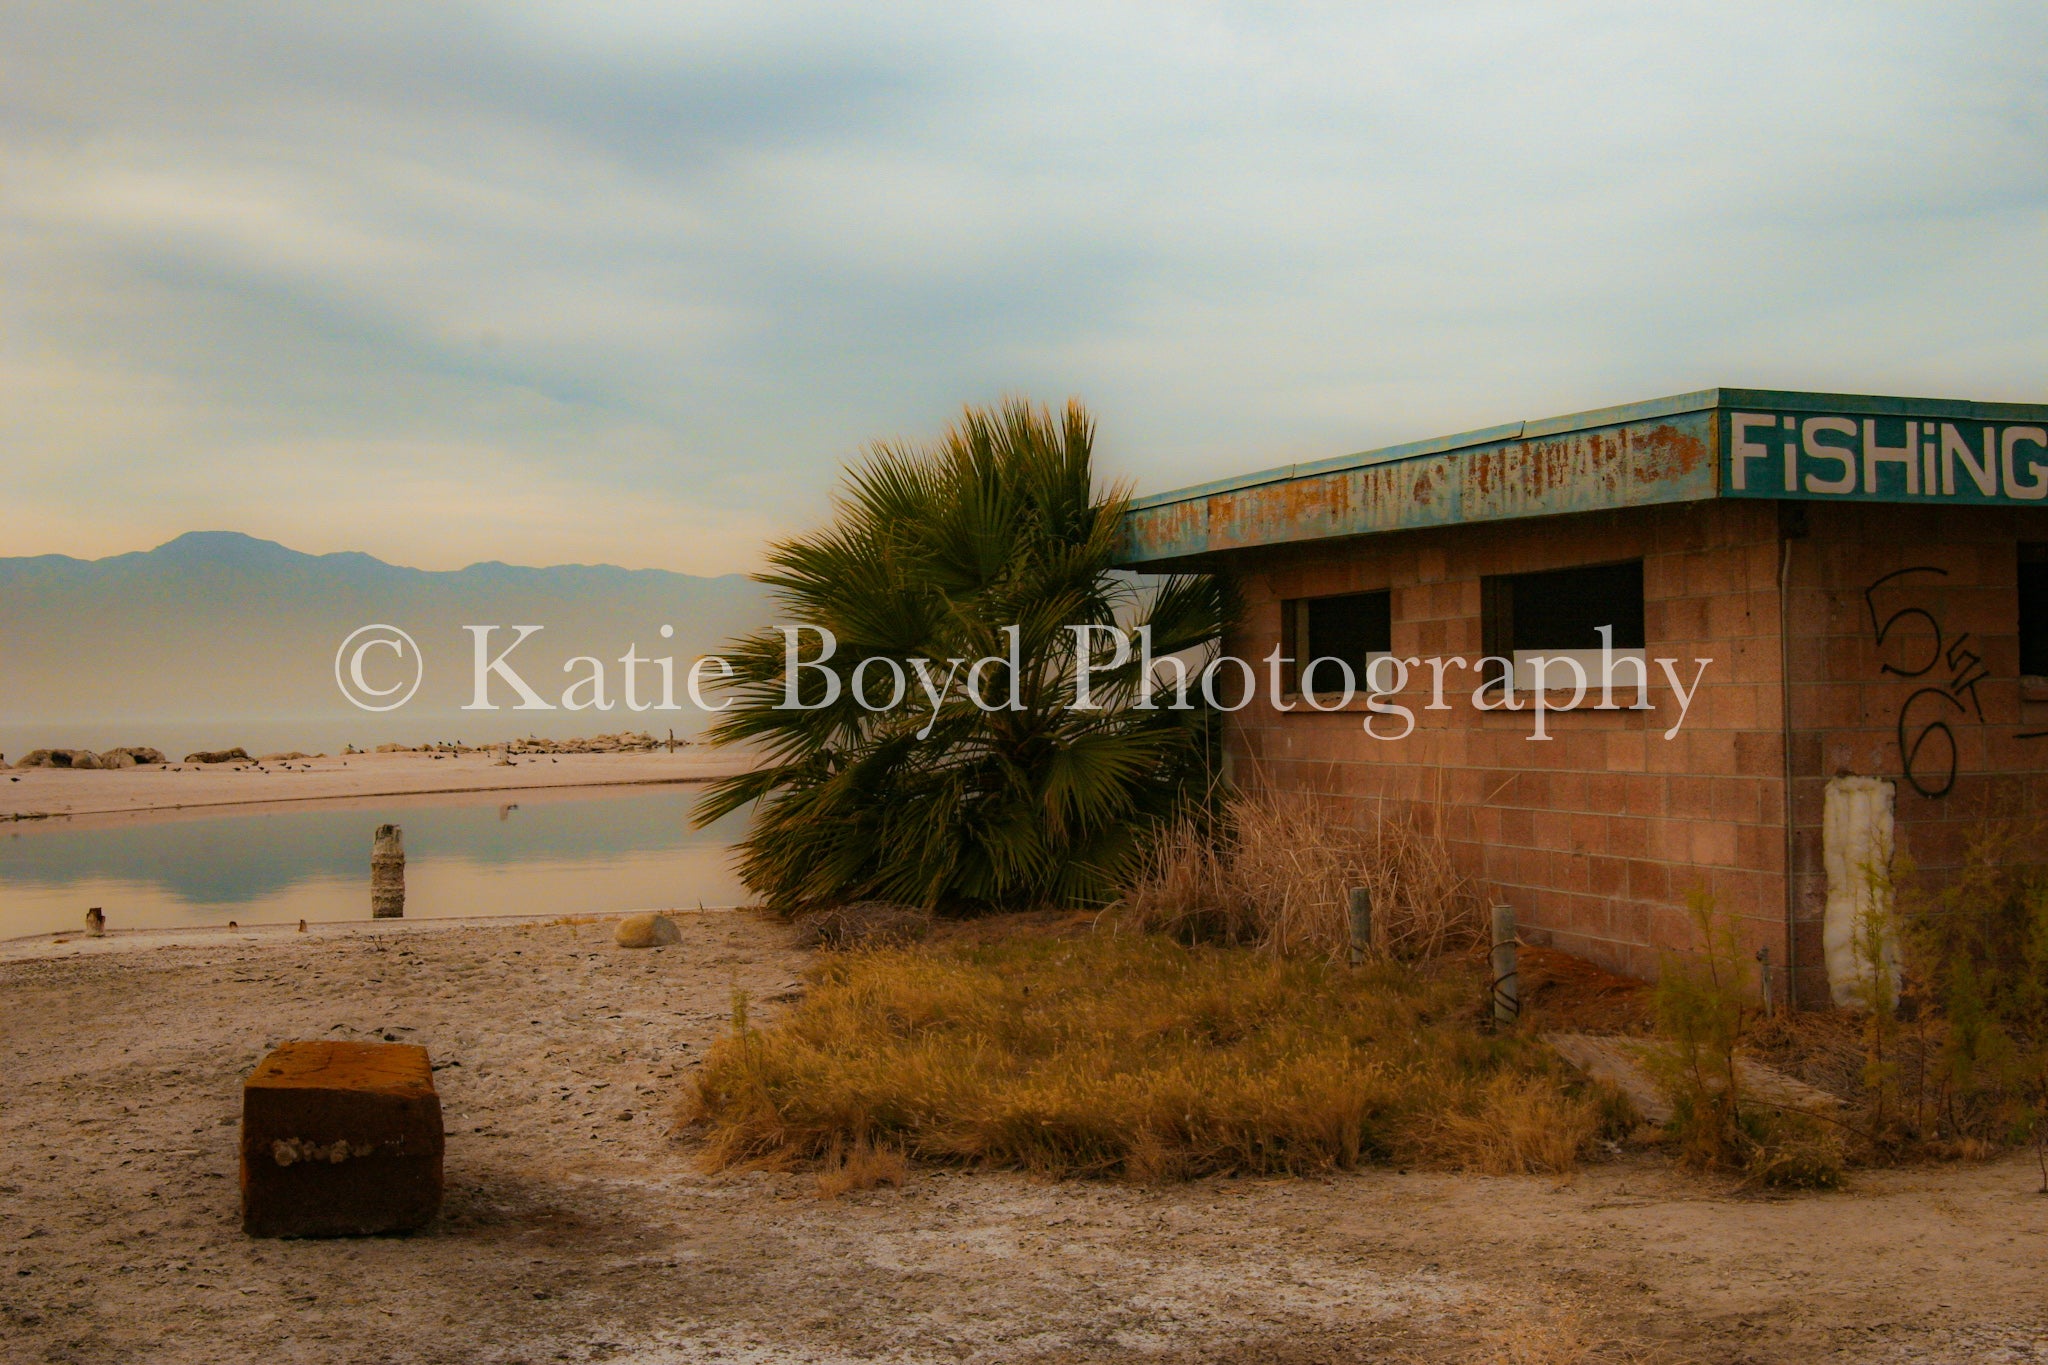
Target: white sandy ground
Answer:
pixel 577 1227
pixel 65 792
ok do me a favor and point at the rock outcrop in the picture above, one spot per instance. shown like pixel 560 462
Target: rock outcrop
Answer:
pixel 127 756
pixel 624 742
pixel 647 931
pixel 59 758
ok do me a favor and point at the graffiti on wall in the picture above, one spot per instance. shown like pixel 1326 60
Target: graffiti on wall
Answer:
pixel 1950 670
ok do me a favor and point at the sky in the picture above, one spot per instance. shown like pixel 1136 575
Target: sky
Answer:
pixel 630 283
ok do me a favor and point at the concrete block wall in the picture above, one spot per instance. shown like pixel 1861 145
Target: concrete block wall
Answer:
pixel 1596 834
pixel 1936 704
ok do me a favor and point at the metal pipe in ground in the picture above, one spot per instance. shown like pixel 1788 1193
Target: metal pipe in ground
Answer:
pixel 387 873
pixel 1361 924
pixel 1507 988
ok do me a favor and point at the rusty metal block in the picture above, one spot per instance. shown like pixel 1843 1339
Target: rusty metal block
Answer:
pixel 340 1139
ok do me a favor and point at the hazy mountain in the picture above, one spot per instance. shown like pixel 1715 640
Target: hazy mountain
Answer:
pixel 219 638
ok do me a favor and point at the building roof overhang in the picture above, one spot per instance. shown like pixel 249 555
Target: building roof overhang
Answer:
pixel 1740 443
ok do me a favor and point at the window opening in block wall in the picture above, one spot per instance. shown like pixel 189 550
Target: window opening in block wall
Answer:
pixel 2034 611
pixel 1356 627
pixel 1559 613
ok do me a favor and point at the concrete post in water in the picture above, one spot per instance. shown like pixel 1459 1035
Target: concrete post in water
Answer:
pixel 1507 989
pixel 387 873
pixel 1361 923
pixel 95 922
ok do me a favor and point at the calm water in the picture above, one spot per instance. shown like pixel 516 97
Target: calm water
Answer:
pixel 516 853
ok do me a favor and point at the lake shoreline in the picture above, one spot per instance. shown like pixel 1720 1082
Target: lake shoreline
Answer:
pixel 32 797
pixel 571 847
pixel 65 943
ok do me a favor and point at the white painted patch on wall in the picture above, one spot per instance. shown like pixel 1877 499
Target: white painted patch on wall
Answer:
pixel 1858 935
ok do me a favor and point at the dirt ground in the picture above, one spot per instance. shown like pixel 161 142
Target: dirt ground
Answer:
pixel 577 1227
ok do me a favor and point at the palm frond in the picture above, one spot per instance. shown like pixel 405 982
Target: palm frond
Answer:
pixel 934 554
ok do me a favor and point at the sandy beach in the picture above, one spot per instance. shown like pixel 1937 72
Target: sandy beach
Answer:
pixel 27 793
pixel 578 1226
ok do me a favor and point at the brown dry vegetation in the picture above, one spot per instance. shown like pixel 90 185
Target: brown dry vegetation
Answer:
pixel 1204 1025
pixel 1134 1056
pixel 863 1166
pixel 1276 870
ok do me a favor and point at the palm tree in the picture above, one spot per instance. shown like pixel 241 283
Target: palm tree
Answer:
pixel 992 544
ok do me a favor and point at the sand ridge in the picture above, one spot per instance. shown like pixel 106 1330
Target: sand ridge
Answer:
pixel 61 792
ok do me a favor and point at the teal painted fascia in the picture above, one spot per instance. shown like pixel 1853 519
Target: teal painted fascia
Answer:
pixel 1649 410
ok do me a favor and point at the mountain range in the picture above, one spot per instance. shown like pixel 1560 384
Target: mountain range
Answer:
pixel 218 638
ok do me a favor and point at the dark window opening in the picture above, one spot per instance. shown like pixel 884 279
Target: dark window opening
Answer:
pixel 2034 610
pixel 1353 627
pixel 1563 608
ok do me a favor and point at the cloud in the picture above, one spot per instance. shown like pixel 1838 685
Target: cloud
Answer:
pixel 564 279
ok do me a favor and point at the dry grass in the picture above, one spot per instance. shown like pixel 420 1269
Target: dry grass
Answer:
pixel 860 1167
pixel 1137 1057
pixel 1521 1124
pixel 863 924
pixel 1278 869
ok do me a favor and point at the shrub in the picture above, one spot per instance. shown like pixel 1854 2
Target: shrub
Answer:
pixel 1700 1007
pixel 1978 951
pixel 1787 1150
pixel 1703 1007
pixel 1137 1057
pixel 862 924
pixel 1276 869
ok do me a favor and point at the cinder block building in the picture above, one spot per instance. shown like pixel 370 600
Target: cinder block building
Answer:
pixel 1865 577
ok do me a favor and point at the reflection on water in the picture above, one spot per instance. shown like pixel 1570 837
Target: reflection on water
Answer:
pixel 545 852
